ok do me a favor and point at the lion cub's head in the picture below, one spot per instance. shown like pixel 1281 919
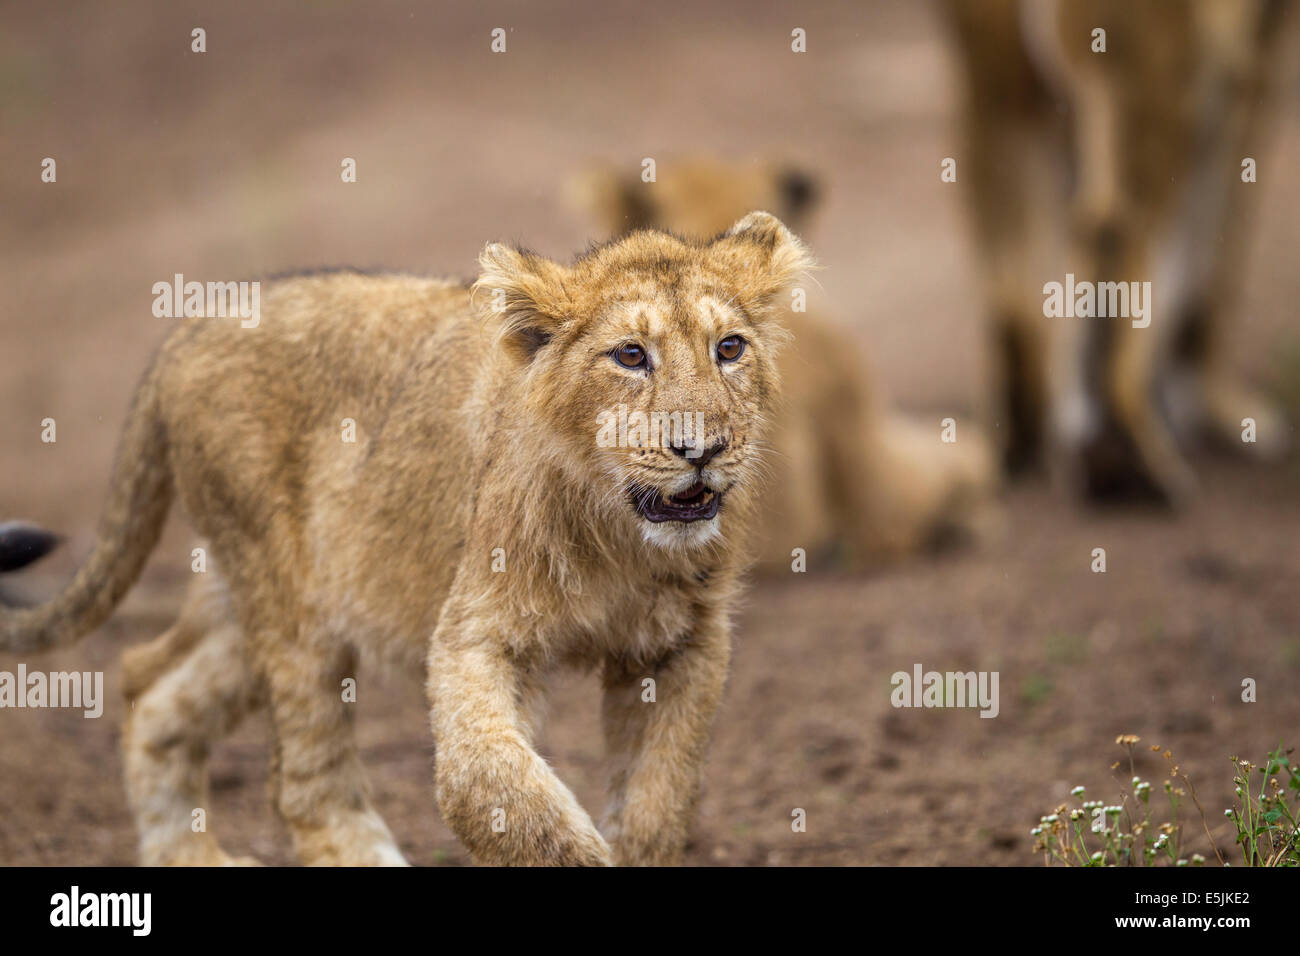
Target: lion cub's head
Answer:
pixel 648 367
pixel 693 196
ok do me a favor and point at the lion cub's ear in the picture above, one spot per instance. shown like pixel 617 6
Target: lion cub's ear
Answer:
pixel 762 258
pixel 526 291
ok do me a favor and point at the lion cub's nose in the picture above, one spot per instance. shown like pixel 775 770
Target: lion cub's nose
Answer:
pixel 697 456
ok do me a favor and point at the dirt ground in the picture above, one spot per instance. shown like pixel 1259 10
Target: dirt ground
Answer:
pixel 226 164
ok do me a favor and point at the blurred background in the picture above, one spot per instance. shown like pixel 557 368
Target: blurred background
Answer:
pixel 226 165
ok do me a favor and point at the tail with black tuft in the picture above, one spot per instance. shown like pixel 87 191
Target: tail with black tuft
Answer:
pixel 22 544
pixel 138 500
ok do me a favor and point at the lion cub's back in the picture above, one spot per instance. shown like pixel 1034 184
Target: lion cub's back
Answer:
pixel 318 336
pixel 359 330
pixel 257 410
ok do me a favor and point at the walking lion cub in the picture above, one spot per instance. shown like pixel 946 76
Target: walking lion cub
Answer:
pixel 475 524
pixel 850 474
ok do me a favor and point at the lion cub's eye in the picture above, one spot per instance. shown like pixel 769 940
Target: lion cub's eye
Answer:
pixel 630 356
pixel 731 348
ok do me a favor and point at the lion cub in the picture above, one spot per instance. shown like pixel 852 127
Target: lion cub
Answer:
pixel 850 474
pixel 475 525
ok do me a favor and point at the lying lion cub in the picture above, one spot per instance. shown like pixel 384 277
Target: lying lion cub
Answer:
pixel 474 523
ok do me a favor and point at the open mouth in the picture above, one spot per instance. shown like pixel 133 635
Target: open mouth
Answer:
pixel 696 503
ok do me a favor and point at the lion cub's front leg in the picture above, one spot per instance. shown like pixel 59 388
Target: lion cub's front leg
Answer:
pixel 657 745
pixel 498 795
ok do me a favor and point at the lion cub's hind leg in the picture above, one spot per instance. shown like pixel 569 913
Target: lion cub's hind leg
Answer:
pixel 185 690
pixel 320 786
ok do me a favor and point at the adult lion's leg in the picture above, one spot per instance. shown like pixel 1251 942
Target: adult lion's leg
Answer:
pixel 1012 173
pixel 657 746
pixel 1208 389
pixel 185 690
pixel 1132 372
pixel 498 795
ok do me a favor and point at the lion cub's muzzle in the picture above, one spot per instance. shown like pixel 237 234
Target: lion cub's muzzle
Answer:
pixel 699 502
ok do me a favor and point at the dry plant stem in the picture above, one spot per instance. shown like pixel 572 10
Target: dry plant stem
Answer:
pixel 1204 821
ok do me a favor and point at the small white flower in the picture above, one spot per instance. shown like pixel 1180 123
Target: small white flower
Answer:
pixel 1077 792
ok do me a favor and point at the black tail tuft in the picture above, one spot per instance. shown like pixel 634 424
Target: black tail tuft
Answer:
pixel 21 544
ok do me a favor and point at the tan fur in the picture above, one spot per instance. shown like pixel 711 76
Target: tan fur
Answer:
pixel 1155 130
pixel 185 690
pixel 848 474
pixel 476 431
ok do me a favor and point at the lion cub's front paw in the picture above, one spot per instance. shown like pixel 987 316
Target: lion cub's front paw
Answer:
pixel 585 849
pixel 554 832
pixel 509 809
